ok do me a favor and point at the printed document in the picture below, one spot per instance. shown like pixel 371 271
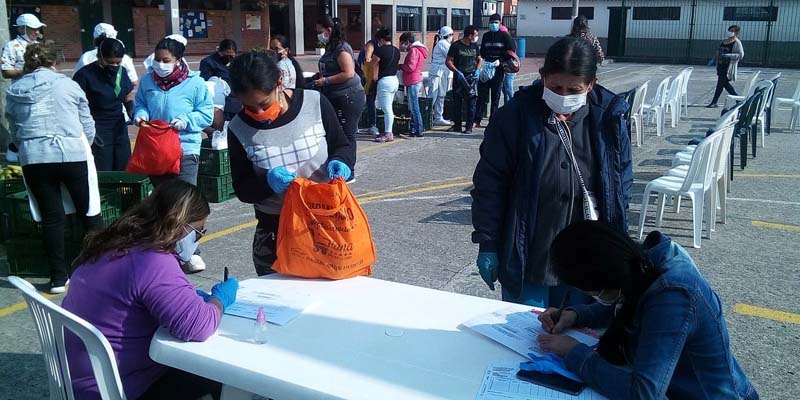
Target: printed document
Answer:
pixel 500 383
pixel 280 307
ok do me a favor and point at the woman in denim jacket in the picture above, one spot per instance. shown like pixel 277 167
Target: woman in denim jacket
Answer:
pixel 666 333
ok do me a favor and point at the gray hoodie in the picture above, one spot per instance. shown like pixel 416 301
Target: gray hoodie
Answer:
pixel 48 113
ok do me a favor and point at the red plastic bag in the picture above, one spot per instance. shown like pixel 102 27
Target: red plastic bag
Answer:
pixel 157 150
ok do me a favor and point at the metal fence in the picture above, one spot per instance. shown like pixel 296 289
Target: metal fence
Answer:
pixel 510 21
pixel 689 31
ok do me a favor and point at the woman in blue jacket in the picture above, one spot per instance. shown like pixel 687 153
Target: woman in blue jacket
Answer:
pixel 528 186
pixel 666 335
pixel 174 94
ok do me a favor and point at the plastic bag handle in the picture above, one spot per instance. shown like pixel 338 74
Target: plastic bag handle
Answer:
pixel 326 213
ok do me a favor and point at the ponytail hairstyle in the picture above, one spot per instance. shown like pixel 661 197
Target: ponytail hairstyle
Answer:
pixel 436 39
pixel 285 44
pixel 326 21
pixel 592 256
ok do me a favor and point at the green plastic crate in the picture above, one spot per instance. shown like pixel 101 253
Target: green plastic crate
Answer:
pixel 217 189
pixel 27 256
pixel 214 162
pixel 402 124
pixel 132 188
pixel 22 223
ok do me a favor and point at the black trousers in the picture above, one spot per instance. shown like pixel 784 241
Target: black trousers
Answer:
pixel 181 385
pixel 112 146
pixel 44 181
pixel 495 86
pixel 371 105
pixel 463 104
pixel 265 243
pixel 723 83
pixel 348 107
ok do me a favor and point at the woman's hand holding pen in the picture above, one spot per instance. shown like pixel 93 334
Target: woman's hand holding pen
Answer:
pixel 555 320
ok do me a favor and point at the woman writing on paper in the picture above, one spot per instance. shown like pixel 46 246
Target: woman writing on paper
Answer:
pixel 666 337
pixel 129 282
pixel 280 134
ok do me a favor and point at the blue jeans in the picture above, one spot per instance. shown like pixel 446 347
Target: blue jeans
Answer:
pixel 413 105
pixel 547 296
pixel 387 87
pixel 508 86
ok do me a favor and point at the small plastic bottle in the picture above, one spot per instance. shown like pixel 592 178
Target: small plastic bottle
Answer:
pixel 260 327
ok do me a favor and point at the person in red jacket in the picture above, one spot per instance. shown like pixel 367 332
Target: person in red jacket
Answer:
pixel 412 78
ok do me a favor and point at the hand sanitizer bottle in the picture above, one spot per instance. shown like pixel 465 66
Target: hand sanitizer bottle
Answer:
pixel 260 327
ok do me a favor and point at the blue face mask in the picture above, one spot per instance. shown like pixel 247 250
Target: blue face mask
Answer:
pixel 494 26
pixel 186 247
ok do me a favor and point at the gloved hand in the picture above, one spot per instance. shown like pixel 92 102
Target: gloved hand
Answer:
pixel 178 124
pixel 279 179
pixel 488 263
pixel 460 75
pixel 138 121
pixel 548 364
pixel 205 295
pixel 226 292
pixel 338 169
pixel 477 72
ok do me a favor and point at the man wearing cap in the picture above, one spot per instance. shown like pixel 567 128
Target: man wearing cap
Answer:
pixel 494 47
pixel 29 30
pixel 101 32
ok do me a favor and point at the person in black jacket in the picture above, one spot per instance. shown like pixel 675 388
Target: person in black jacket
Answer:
pixel 277 137
pixel 217 63
pixel 527 185
pixel 494 47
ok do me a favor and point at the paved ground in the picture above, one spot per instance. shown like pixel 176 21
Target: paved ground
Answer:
pixel 415 193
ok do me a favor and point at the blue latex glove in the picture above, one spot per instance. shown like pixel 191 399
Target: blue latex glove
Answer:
pixel 338 169
pixel 548 364
pixel 205 295
pixel 477 72
pixel 226 292
pixel 461 76
pixel 488 263
pixel 279 179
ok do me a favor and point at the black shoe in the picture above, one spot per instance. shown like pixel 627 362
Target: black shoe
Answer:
pixel 455 129
pixel 468 132
pixel 416 135
pixel 712 105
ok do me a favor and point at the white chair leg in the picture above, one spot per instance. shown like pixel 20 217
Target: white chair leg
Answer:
pixel 677 200
pixel 763 131
pixel 674 115
pixel 659 121
pixel 723 200
pixel 711 210
pixel 643 212
pixel 697 218
pixel 637 124
pixel 662 200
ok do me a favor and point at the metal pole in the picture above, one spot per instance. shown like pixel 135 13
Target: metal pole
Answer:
pixel 424 21
pixel 769 33
pixel 4 83
pixel 236 19
pixel 296 38
pixel 575 8
pixel 172 17
pixel 500 4
pixel 691 33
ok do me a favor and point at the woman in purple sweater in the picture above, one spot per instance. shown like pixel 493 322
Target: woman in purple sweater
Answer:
pixel 129 282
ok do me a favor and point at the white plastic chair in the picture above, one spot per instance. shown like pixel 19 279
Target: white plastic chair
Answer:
pixel 684 157
pixel 794 104
pixel 694 186
pixel 674 100
pixel 686 74
pixel 655 107
pixel 637 117
pixel 50 323
pixel 749 88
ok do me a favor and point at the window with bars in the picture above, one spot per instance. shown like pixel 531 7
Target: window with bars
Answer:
pixel 459 19
pixel 656 13
pixel 437 18
pixel 409 19
pixel 751 14
pixel 566 12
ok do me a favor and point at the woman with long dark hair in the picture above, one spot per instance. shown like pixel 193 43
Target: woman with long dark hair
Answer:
pixel 729 53
pixel 129 282
pixel 338 80
pixel 666 336
pixel 290 68
pixel 386 58
pixel 580 29
pixel 557 153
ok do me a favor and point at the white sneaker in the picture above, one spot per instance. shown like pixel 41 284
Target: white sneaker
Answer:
pixel 195 264
pixel 58 287
pixel 442 122
pixel 374 130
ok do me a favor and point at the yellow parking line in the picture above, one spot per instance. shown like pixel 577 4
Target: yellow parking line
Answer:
pixel 376 146
pixel 775 315
pixel 364 200
pixel 769 175
pixel 225 232
pixel 772 225
pixel 20 306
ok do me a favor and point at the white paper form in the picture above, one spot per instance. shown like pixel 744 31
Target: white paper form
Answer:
pixel 500 383
pixel 518 330
pixel 279 308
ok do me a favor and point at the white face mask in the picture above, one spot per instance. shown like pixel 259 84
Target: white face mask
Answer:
pixel 731 34
pixel 475 39
pixel 163 69
pixel 608 302
pixel 563 104
pixel 186 247
pixel 322 38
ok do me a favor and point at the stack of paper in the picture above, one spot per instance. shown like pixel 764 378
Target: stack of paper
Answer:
pixel 279 308
pixel 500 383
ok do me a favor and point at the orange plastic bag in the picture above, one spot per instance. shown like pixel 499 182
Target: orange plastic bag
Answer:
pixel 323 232
pixel 157 150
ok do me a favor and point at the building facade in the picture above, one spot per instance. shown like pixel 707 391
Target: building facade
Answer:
pixel 679 31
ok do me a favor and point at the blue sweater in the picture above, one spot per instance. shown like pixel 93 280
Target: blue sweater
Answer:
pixel 190 102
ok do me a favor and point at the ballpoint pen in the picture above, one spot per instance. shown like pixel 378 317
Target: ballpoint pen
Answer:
pixel 225 275
pixel 557 315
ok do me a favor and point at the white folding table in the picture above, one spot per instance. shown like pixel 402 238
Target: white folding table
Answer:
pixel 364 339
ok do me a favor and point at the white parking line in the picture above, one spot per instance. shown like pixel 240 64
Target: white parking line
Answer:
pixel 781 202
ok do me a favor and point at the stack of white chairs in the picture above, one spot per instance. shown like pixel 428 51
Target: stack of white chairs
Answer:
pixel 794 104
pixel 685 75
pixel 696 185
pixel 654 109
pixel 637 116
pixel 749 88
pixel 674 100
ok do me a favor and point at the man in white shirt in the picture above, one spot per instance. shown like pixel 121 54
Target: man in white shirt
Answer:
pixel 101 31
pixel 29 30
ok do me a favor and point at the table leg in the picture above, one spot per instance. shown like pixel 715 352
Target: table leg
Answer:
pixel 233 393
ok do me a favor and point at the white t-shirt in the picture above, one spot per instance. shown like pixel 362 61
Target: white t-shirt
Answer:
pixel 288 72
pixel 91 56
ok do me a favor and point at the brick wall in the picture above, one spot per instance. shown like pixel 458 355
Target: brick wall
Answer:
pixel 149 23
pixel 64 28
